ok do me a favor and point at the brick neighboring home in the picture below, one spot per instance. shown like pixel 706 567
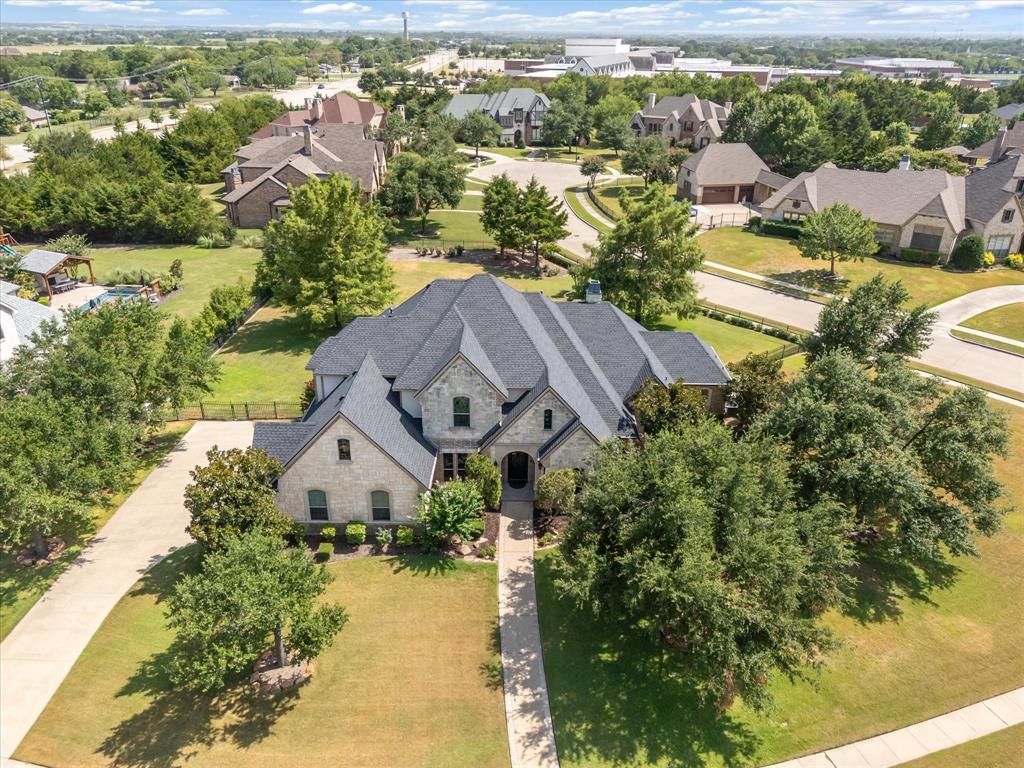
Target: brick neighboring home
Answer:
pixel 519 112
pixel 995 210
pixel 464 367
pixel 1008 141
pixel 924 210
pixel 257 182
pixel 727 173
pixel 340 109
pixel 685 120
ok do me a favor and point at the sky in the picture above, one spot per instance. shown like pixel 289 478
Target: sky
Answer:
pixel 612 18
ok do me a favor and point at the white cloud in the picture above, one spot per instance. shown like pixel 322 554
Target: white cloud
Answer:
pixel 204 12
pixel 92 6
pixel 323 8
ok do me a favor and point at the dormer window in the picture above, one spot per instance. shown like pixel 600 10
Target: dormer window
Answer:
pixel 460 411
pixel 548 418
pixel 1020 186
pixel 344 449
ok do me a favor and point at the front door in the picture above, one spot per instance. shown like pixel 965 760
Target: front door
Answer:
pixel 518 469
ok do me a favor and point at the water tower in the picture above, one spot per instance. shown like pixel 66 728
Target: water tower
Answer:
pixel 405 25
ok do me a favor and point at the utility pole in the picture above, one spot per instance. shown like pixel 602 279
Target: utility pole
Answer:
pixel 46 111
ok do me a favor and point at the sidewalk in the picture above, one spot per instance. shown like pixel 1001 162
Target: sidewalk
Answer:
pixel 531 738
pixel 40 651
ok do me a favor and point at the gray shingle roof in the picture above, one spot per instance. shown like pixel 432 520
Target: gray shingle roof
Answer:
pixel 494 104
pixel 27 316
pixel 721 164
pixel 1013 141
pixel 39 261
pixel 1008 111
pixel 991 188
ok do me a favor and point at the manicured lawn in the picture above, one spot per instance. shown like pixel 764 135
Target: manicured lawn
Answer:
pixel 575 198
pixel 204 269
pixel 779 258
pixel 444 228
pixel 408 682
pixel 471 203
pixel 916 644
pixel 1002 749
pixel 960 333
pixel 609 193
pixel 21 586
pixel 1006 321
pixel 731 342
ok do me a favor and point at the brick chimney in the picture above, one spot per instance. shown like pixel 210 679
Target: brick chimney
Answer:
pixel 652 99
pixel 997 148
pixel 728 106
pixel 593 295
pixel 307 140
pixel 905 162
pixel 318 109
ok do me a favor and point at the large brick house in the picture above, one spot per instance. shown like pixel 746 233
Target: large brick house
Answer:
pixel 257 182
pixel 340 109
pixel 686 121
pixel 727 173
pixel 463 367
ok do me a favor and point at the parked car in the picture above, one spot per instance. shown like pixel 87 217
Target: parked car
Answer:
pixel 694 211
pixel 320 87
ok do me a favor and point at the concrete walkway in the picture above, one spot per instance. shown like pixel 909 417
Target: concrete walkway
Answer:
pixel 40 651
pixel 531 738
pixel 914 741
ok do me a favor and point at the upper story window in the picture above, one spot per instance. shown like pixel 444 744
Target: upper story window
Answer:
pixel 548 418
pixel 1020 186
pixel 688 125
pixel 380 505
pixel 519 115
pixel 317 503
pixel 796 203
pixel 1007 216
pixel 460 411
pixel 344 449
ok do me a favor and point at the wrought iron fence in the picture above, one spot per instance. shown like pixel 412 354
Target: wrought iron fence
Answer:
pixel 717 220
pixel 244 411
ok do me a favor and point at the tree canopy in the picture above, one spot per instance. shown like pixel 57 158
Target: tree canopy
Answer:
pixel 417 184
pixel 837 233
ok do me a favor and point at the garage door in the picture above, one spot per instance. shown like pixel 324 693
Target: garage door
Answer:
pixel 718 194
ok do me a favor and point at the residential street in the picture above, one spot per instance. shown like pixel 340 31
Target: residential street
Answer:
pixel 40 651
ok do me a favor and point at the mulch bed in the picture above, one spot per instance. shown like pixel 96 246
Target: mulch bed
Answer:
pixel 492 521
pixel 555 524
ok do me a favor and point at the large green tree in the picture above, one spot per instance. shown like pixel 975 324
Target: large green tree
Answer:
pixel 542 220
pixel 500 217
pixel 326 258
pixel 645 263
pixel 845 121
pixel 200 145
pixel 943 124
pixel 615 133
pixel 660 408
pixel 837 233
pixel 250 596
pixel 984 128
pixel 417 184
pixel 647 156
pixel 699 539
pixel 756 387
pixel 920 160
pixel 478 128
pixel 562 123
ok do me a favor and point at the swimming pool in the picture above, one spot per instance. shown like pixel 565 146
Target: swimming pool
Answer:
pixel 117 293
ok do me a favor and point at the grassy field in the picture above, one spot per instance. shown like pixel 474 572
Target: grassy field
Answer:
pixel 916 644
pixel 731 342
pixel 574 198
pixel 779 258
pixel 1006 321
pixel 609 194
pixel 407 682
pixel 204 269
pixel 21 586
pixel 471 203
pixel 444 228
pixel 1002 749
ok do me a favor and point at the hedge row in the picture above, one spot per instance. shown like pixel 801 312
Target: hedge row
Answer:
pixel 917 256
pixel 792 231
pixel 742 322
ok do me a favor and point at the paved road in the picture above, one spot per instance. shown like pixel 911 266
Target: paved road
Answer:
pixel 957 310
pixel 434 61
pixel 297 96
pixel 39 652
pixel 531 737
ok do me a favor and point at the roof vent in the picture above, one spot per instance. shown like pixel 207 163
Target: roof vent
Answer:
pixel 905 162
pixel 593 295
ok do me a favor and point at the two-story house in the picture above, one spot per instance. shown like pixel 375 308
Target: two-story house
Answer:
pixel 519 112
pixel 686 121
pixel 463 367
pixel 340 109
pixel 995 209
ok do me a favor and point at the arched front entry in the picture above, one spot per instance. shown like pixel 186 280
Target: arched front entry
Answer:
pixel 517 137
pixel 517 474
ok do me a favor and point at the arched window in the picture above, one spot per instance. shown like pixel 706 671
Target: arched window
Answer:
pixel 380 505
pixel 317 501
pixel 344 449
pixel 460 411
pixel 548 418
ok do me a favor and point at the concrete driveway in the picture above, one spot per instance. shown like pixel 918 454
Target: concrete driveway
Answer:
pixel 40 651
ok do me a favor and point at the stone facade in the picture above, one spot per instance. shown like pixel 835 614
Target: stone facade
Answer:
pixel 256 208
pixel 1014 229
pixel 459 379
pixel 571 452
pixel 348 484
pixel 949 237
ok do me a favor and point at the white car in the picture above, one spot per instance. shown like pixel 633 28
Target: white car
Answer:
pixel 694 211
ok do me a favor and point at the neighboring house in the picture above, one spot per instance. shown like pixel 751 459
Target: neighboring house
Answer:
pixel 994 207
pixel 232 81
pixel 257 182
pixel 1008 141
pixel 611 64
pixel 1008 112
pixel 8 51
pixel 519 111
pixel 727 173
pixel 34 117
pixel 464 367
pixel 340 109
pixel 911 209
pixel 685 120
pixel 19 319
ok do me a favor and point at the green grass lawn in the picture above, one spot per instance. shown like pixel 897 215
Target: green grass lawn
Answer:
pixel 959 333
pixel 731 342
pixel 916 645
pixel 204 269
pixel 574 198
pixel 779 258
pixel 21 586
pixel 471 203
pixel 609 194
pixel 1002 749
pixel 408 682
pixel 1006 321
pixel 444 228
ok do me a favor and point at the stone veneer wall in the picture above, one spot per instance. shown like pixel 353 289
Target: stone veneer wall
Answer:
pixel 459 379
pixel 571 452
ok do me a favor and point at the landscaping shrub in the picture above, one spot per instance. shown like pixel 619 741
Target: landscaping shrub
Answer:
pixel 406 536
pixel 251 241
pixel 970 253
pixel 916 256
pixel 1015 261
pixel 754 223
pixel 484 472
pixel 308 394
pixel 384 537
pixel 475 529
pixel 548 537
pixel 451 509
pixel 296 534
pixel 487 552
pixel 327 533
pixel 176 270
pixel 355 533
pixel 558 257
pixel 792 231
pixel 988 259
pixel 324 551
pixel 556 492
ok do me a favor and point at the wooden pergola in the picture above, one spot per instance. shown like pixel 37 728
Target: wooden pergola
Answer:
pixel 44 264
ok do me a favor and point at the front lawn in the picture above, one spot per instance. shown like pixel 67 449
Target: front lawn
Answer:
pixel 444 229
pixel 1006 321
pixel 779 258
pixel 408 682
pixel 609 194
pixel 204 269
pixel 731 342
pixel 916 645
pixel 1002 749
pixel 21 586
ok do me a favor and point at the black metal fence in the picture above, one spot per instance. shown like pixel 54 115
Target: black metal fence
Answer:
pixel 245 411
pixel 717 220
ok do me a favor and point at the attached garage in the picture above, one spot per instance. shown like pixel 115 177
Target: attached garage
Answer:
pixel 721 174
pixel 718 195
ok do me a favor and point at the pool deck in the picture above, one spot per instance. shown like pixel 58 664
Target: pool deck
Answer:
pixel 77 297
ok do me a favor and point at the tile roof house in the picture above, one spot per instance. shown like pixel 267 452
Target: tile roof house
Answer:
pixel 257 182
pixel 924 210
pixel 340 109
pixel 727 173
pixel 20 318
pixel 519 112
pixel 686 121
pixel 463 367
